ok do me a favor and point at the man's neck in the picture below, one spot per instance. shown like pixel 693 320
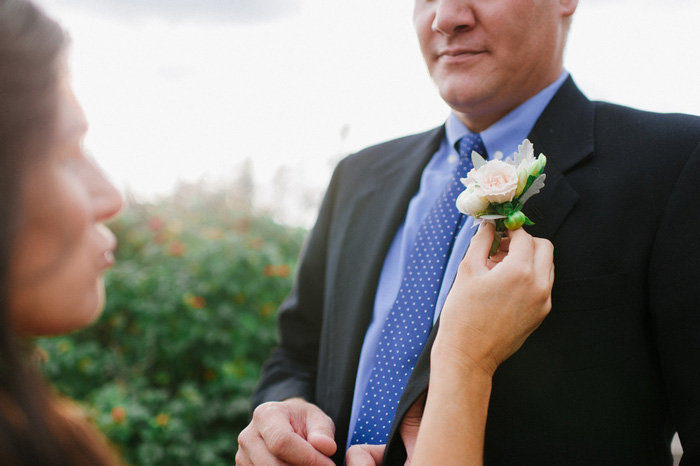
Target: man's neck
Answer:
pixel 509 131
pixel 478 120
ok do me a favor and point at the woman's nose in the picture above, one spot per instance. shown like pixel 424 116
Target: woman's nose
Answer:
pixel 107 200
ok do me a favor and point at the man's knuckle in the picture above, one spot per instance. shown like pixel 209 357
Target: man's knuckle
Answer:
pixel 241 458
pixel 277 442
pixel 244 436
pixel 263 411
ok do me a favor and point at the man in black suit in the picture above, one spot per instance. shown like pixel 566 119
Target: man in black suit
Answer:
pixel 613 372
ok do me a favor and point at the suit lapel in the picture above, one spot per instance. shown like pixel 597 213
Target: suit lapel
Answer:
pixel 362 237
pixel 564 133
pixel 376 215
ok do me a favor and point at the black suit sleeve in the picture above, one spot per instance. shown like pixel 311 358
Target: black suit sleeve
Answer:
pixel 674 293
pixel 290 370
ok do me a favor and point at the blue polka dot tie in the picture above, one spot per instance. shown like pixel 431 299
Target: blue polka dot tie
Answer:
pixel 411 317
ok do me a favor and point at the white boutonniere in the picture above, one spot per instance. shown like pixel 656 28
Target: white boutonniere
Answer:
pixel 496 190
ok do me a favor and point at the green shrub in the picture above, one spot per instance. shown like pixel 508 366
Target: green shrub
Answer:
pixel 168 370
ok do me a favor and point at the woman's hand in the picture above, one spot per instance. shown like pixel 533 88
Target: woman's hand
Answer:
pixel 496 302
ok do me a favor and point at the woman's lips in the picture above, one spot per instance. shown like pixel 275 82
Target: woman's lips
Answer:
pixel 110 245
pixel 108 259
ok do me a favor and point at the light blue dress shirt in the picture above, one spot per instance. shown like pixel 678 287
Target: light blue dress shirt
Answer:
pixel 503 136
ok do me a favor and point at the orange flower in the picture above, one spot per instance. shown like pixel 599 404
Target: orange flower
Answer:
pixel 118 414
pixel 281 270
pixel 176 248
pixel 194 301
pixel 198 302
pixel 267 309
pixel 256 243
pixel 155 224
pixel 162 419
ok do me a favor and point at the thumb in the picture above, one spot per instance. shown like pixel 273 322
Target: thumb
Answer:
pixel 365 455
pixel 321 432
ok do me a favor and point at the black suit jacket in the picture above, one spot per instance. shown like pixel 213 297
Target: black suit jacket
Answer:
pixel 614 370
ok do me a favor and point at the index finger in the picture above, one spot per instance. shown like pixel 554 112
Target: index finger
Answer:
pixel 521 247
pixel 480 246
pixel 544 257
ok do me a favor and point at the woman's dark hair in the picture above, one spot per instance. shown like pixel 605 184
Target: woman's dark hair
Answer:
pixel 36 428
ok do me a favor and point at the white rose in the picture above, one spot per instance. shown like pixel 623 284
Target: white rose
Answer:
pixel 471 201
pixel 497 180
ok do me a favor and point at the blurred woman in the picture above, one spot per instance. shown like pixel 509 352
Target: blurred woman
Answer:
pixel 54 247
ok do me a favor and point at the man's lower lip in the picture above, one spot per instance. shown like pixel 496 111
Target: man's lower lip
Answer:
pixel 462 57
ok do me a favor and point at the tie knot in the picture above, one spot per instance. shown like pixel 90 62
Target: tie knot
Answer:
pixel 471 142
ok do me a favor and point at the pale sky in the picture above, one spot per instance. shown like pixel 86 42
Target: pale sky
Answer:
pixel 186 89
